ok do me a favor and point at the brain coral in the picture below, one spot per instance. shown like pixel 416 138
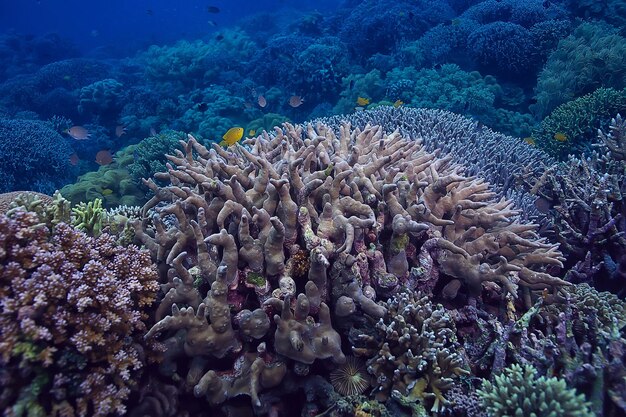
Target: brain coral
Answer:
pixel 32 157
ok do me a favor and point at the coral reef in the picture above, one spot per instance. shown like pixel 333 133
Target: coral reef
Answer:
pixel 72 318
pixel 372 213
pixel 414 351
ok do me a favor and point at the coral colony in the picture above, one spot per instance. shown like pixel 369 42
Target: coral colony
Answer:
pixel 401 208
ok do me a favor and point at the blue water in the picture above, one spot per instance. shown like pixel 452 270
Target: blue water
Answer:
pixel 129 24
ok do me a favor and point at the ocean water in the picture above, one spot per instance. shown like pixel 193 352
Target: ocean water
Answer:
pixel 312 208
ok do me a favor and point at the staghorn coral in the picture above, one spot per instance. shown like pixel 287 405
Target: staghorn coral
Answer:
pixel 414 351
pixel 520 392
pixel 586 198
pixel 364 207
pixel 578 335
pixel 73 313
pixel 615 139
pixel 499 159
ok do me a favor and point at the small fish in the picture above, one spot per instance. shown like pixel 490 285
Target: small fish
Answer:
pixel 74 159
pixel 78 133
pixel 560 137
pixel 213 9
pixel 233 136
pixel 202 107
pixel 455 22
pixel 106 191
pixel 398 103
pixel 212 23
pixel 120 130
pixel 251 132
pixel 150 12
pixel 219 37
pixel 362 101
pixel 262 101
pixel 529 140
pixel 359 108
pixel 153 131
pixel 104 157
pixel 296 101
pixel 351 85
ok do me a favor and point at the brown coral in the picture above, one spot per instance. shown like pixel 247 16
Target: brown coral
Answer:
pixel 369 209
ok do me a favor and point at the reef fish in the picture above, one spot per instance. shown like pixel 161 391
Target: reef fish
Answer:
pixel 296 101
pixel 233 136
pixel 362 101
pixel 78 133
pixel 560 137
pixel 120 130
pixel 104 157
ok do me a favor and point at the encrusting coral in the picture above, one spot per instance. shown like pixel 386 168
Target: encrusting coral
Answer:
pixel 372 212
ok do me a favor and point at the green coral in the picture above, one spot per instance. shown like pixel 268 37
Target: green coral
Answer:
pixel 111 183
pixel 90 217
pixel 148 156
pixel 593 56
pixel 579 120
pixel 519 392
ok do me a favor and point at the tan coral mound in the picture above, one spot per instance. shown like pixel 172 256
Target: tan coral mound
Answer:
pixel 374 212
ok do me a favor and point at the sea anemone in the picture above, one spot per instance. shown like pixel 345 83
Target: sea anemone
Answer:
pixel 350 378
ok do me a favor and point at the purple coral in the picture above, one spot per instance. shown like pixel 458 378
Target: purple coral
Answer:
pixel 72 315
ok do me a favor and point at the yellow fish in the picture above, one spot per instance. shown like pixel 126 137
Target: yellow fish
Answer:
pixel 251 132
pixel 560 137
pixel 233 136
pixel 398 103
pixel 362 101
pixel 529 140
pixel 107 191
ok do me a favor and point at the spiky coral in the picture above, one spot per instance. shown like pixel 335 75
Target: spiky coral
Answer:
pixel 72 312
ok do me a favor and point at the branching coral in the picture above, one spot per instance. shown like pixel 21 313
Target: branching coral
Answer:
pixel 73 311
pixel 414 351
pixel 365 208
pixel 520 392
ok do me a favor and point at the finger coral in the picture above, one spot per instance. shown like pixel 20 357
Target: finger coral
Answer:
pixel 370 212
pixel 72 310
